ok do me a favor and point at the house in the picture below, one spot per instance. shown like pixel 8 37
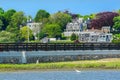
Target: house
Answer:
pixel 35 27
pixel 76 26
pixel 85 34
pixel 92 36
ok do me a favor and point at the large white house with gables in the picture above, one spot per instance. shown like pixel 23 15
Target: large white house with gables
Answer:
pixel 80 28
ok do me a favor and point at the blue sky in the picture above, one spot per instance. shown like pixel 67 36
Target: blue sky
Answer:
pixel 83 7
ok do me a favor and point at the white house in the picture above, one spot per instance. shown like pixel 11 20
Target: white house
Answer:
pixel 35 27
pixel 92 36
pixel 76 26
pixel 80 28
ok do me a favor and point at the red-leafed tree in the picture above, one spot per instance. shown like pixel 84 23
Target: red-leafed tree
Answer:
pixel 103 19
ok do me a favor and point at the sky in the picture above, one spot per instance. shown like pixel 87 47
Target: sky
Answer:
pixel 83 7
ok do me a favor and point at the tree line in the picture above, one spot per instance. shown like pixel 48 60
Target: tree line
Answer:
pixel 13 23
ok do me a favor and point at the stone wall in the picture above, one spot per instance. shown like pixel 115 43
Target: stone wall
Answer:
pixel 34 59
pixel 23 57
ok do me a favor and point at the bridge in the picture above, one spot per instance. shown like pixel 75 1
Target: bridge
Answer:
pixel 57 46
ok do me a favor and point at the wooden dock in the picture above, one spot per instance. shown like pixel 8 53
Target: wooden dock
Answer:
pixel 57 46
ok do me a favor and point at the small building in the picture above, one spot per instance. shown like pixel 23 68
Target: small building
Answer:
pixel 52 39
pixel 45 40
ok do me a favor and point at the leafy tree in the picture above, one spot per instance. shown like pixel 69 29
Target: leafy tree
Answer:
pixel 17 20
pixel 92 16
pixel 1 24
pixel 71 14
pixel 73 37
pixel 41 14
pixel 61 19
pixel 116 25
pixel 8 15
pixel 25 33
pixel 79 15
pixel 1 11
pixel 116 38
pixel 86 17
pixel 3 21
pixel 41 35
pixel 7 37
pixel 52 30
pixel 103 19
pixel 118 12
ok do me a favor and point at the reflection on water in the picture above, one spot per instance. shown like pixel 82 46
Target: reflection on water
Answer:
pixel 62 75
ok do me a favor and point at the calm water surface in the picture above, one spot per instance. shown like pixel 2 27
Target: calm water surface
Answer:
pixel 62 75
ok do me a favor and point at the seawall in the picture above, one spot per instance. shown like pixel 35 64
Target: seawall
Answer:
pixel 55 56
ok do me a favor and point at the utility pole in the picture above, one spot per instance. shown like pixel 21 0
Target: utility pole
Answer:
pixel 28 20
pixel 28 35
pixel 39 31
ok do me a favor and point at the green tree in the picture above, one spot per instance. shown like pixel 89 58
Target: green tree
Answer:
pixel 41 35
pixel 3 21
pixel 116 25
pixel 80 16
pixel 118 11
pixel 116 38
pixel 7 37
pixel 61 19
pixel 52 30
pixel 8 14
pixel 1 24
pixel 92 16
pixel 41 14
pixel 17 20
pixel 73 37
pixel 25 33
pixel 1 11
pixel 86 17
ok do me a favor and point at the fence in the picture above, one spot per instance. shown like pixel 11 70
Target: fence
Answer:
pixel 57 46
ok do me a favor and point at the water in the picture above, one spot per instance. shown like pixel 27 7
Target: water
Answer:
pixel 62 75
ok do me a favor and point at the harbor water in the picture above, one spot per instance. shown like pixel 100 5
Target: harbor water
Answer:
pixel 62 75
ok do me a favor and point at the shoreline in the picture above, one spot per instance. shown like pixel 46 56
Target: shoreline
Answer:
pixel 49 70
pixel 102 64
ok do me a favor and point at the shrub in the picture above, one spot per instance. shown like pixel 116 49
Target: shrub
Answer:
pixel 73 37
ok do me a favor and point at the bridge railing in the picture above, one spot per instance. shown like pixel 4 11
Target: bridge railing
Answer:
pixel 57 46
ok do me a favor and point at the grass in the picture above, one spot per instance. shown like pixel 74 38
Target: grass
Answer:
pixel 94 64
